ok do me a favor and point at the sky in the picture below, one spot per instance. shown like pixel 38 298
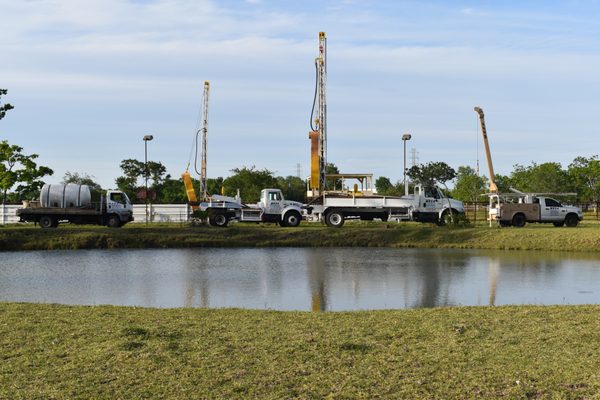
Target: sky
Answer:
pixel 90 78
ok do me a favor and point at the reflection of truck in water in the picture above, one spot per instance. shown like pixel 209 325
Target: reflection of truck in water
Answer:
pixel 518 209
pixel 424 205
pixel 73 203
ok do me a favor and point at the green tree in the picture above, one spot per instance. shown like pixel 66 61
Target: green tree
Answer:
pixel 386 188
pixel 541 178
pixel 293 188
pixel 431 173
pixel 134 172
pixel 18 168
pixel 250 182
pixel 6 106
pixel 585 173
pixel 469 186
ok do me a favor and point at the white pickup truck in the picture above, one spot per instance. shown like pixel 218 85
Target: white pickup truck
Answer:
pixel 517 210
pixel 272 207
pixel 424 205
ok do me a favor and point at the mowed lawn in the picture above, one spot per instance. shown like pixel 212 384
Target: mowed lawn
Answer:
pixel 62 352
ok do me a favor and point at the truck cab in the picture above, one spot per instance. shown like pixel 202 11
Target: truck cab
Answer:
pixel 276 209
pixel 119 209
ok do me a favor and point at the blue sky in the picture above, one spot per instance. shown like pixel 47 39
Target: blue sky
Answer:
pixel 90 78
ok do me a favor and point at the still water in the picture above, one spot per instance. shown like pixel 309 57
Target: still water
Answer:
pixel 299 278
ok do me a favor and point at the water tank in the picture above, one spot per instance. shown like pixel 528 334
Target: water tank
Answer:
pixel 65 196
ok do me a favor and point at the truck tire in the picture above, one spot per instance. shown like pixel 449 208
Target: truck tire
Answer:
pixel 384 217
pixel 47 222
pixel 446 217
pixel 113 221
pixel 519 220
pixel 558 224
pixel 291 219
pixel 504 224
pixel 334 219
pixel 218 219
pixel 571 220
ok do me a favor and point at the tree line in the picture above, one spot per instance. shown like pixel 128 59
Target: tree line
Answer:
pixel 21 178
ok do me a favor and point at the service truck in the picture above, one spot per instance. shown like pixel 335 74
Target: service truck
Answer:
pixel 424 205
pixel 72 203
pixel 272 207
pixel 519 208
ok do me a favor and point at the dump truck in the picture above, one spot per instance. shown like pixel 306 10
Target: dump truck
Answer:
pixel 519 208
pixel 426 204
pixel 73 203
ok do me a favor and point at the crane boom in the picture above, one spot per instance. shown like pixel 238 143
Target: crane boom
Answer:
pixel 488 155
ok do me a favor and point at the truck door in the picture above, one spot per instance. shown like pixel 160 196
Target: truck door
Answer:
pixel 550 210
pixel 274 202
pixel 431 199
pixel 116 202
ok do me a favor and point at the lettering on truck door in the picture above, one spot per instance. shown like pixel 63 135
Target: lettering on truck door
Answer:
pixel 274 203
pixel 551 210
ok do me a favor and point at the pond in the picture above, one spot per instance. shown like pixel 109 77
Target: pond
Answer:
pixel 299 278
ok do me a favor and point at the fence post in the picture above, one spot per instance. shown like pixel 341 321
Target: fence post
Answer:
pixel 3 214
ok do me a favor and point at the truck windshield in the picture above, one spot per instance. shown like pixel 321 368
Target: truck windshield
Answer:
pixel 119 197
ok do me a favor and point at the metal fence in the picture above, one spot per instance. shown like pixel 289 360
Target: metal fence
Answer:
pixel 8 213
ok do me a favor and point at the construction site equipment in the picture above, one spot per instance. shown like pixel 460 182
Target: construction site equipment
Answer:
pixel 493 186
pixel 201 136
pixel 318 123
pixel 424 205
pixel 72 203
pixel 272 207
pixel 518 208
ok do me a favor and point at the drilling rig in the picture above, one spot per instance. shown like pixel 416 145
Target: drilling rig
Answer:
pixel 318 123
pixel 201 133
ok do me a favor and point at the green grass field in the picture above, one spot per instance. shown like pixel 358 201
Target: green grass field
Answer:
pixel 61 352
pixel 584 238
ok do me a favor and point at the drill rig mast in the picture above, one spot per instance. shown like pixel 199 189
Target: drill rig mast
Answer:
pixel 318 133
pixel 202 132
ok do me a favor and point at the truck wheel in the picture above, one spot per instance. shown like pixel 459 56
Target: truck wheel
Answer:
pixel 384 217
pixel 113 221
pixel 334 219
pixel 571 220
pixel 446 218
pixel 519 220
pixel 47 222
pixel 558 224
pixel 292 219
pixel 218 219
pixel 504 223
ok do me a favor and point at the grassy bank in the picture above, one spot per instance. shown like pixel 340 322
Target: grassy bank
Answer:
pixel 585 238
pixel 50 351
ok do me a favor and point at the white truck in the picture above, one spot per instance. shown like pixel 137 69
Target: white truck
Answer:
pixel 424 205
pixel 72 203
pixel 518 209
pixel 272 207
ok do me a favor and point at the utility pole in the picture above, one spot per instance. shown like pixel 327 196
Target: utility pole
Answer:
pixel 406 137
pixel 146 139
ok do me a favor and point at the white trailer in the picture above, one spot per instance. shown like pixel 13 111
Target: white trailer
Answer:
pixel 272 207
pixel 424 205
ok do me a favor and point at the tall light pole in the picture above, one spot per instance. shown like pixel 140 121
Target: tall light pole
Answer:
pixel 405 138
pixel 147 138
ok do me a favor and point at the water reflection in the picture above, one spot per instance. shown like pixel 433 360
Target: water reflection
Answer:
pixel 299 278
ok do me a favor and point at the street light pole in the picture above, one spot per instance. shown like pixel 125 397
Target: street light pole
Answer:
pixel 147 138
pixel 405 137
